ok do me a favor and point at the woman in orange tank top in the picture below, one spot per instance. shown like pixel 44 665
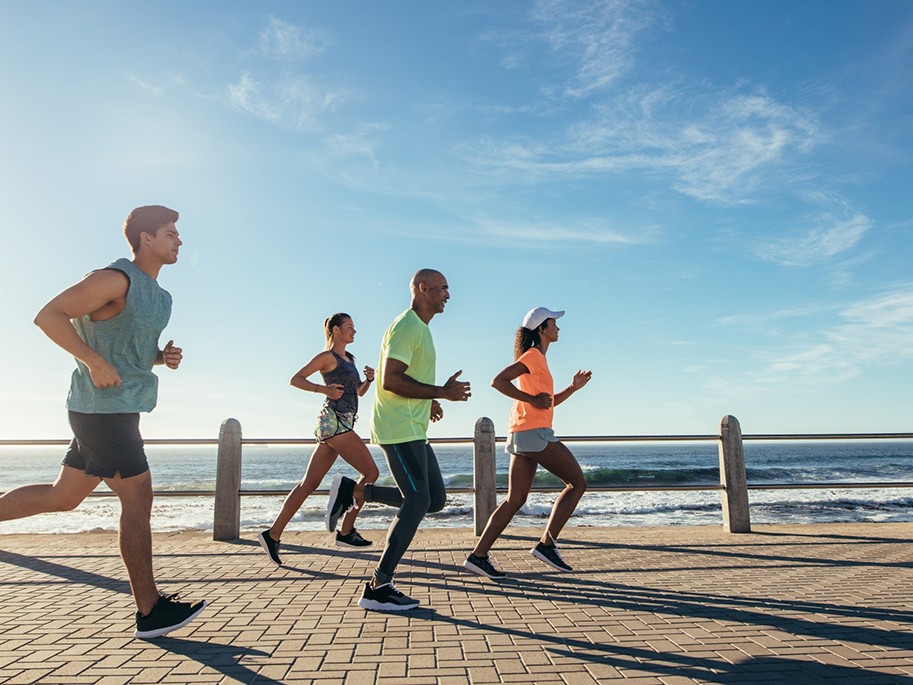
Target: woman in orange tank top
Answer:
pixel 531 442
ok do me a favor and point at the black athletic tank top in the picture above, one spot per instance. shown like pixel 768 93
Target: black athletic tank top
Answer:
pixel 346 375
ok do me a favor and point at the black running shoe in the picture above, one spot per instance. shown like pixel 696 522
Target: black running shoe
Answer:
pixel 386 598
pixel 167 615
pixel 483 567
pixel 551 556
pixel 353 539
pixel 270 546
pixel 340 500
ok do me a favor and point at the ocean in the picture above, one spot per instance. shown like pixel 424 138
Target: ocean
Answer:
pixel 279 467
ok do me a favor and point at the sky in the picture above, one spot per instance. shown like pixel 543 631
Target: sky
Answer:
pixel 717 192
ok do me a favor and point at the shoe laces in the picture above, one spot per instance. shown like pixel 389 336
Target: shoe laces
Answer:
pixel 394 589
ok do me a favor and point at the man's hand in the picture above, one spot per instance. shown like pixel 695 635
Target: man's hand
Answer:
pixel 104 375
pixel 171 355
pixel 456 391
pixel 437 411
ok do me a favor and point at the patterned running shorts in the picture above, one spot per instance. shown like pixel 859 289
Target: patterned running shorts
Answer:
pixel 331 424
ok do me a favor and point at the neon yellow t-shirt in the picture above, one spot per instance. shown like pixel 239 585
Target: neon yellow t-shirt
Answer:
pixel 398 419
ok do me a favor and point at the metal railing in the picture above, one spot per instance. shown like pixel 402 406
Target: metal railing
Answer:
pixel 733 486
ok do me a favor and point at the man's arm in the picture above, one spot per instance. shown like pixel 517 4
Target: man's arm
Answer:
pixel 171 356
pixel 397 381
pixel 101 292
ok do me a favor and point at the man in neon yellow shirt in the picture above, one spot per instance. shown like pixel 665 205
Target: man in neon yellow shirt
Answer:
pixel 405 401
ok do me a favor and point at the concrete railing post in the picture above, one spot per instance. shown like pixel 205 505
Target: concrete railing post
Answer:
pixel 483 479
pixel 226 523
pixel 732 477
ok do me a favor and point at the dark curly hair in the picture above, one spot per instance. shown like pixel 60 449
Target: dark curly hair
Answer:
pixel 526 338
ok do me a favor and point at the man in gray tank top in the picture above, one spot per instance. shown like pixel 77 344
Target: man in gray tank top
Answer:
pixel 111 322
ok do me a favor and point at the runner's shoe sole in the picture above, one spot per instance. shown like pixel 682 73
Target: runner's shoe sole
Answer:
pixel 479 571
pixel 372 605
pixel 265 545
pixel 541 557
pixel 159 632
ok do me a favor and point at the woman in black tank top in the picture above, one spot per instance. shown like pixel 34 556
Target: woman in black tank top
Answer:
pixel 335 431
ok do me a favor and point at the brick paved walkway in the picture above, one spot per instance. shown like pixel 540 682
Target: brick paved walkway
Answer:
pixel 797 604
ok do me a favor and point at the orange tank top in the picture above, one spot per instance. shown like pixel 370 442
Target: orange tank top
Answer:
pixel 523 415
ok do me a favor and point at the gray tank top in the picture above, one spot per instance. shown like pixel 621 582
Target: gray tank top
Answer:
pixel 129 342
pixel 346 375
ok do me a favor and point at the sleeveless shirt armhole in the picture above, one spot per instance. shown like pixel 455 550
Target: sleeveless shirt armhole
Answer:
pixel 126 275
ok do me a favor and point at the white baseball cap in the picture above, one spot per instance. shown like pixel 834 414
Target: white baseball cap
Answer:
pixel 536 317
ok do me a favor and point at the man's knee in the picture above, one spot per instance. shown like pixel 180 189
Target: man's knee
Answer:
pixel 66 501
pixel 416 504
pixel 134 493
pixel 437 503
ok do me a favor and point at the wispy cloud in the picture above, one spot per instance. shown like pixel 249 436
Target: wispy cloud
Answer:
pixel 597 37
pixel 284 41
pixel 143 85
pixel 291 102
pixel 719 147
pixel 828 237
pixel 873 332
pixel 582 232
pixel 725 145
pixel 152 88
pixel 281 93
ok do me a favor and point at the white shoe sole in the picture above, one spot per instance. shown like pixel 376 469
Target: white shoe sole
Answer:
pixel 334 492
pixel 472 568
pixel 159 632
pixel 266 549
pixel 346 545
pixel 371 605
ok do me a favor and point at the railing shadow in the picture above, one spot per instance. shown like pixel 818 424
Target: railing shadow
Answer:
pixel 223 658
pixel 677 664
pixel 706 607
pixel 68 574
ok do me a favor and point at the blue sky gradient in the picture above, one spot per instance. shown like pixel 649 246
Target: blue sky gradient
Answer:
pixel 718 193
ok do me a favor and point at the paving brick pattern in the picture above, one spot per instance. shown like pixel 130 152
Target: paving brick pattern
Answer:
pixel 784 604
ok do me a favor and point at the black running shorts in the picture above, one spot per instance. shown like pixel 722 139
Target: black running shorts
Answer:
pixel 106 444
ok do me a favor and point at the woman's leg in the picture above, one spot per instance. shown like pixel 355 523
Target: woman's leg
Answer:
pixel 321 460
pixel 520 480
pixel 353 449
pixel 558 459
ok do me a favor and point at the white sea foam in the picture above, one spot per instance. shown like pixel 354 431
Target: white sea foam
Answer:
pixel 176 468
